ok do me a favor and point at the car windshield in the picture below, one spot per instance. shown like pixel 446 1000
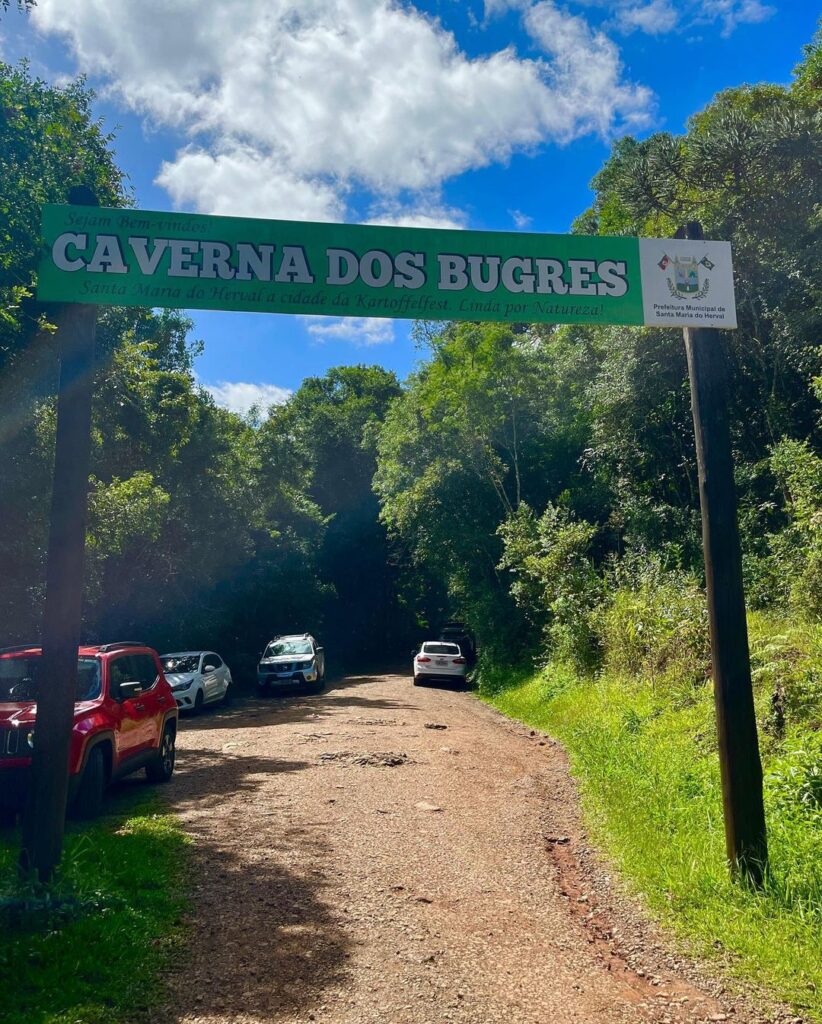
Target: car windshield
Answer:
pixel 181 662
pixel 280 647
pixel 20 678
pixel 450 649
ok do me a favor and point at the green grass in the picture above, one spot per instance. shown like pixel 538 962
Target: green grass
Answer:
pixel 100 957
pixel 645 757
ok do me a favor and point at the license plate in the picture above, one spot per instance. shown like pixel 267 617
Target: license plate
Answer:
pixel 441 661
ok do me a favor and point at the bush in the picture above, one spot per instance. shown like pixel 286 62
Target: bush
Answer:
pixel 655 623
pixel 794 782
pixel 786 664
pixel 799 548
pixel 554 580
pixel 493 675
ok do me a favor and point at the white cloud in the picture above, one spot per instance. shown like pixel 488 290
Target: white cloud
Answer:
pixel 732 13
pixel 496 7
pixel 521 220
pixel 586 70
pixel 290 105
pixel 363 331
pixel 239 396
pixel 654 18
pixel 246 183
pixel 423 213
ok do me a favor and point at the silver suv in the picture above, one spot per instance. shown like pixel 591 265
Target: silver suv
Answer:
pixel 291 661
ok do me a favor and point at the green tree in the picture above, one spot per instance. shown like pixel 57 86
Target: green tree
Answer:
pixel 230 552
pixel 807 84
pixel 798 548
pixel 555 580
pixel 49 141
pixel 190 541
pixel 747 169
pixel 641 442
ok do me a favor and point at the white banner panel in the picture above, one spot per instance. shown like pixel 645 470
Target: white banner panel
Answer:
pixel 687 283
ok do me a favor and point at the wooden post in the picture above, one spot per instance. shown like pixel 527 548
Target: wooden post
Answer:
pixel 44 818
pixel 740 766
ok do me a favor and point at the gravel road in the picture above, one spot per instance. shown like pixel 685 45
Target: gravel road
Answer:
pixel 402 855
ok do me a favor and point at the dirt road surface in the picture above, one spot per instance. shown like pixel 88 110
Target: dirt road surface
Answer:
pixel 402 855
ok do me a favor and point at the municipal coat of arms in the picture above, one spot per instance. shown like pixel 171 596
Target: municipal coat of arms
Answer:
pixel 686 280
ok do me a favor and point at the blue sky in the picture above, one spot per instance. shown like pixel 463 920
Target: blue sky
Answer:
pixel 489 114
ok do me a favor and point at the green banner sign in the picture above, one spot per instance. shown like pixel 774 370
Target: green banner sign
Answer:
pixel 189 261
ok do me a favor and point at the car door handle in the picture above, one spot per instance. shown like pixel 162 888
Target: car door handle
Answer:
pixel 162 699
pixel 139 707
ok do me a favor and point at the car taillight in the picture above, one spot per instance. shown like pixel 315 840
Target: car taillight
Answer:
pixel 459 661
pixel 421 657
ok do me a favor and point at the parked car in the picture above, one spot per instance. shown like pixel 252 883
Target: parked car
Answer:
pixel 197 678
pixel 291 661
pixel 125 719
pixel 458 633
pixel 439 661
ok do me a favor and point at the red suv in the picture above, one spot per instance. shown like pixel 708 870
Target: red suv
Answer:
pixel 125 718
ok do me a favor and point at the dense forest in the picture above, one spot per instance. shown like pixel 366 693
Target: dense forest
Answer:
pixel 538 482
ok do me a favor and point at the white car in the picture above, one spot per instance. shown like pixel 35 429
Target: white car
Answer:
pixel 196 678
pixel 438 660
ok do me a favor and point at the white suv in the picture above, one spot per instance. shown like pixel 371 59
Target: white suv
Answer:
pixel 291 661
pixel 196 678
pixel 439 660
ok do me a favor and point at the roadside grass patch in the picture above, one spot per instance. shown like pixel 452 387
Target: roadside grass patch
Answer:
pixel 92 948
pixel 646 762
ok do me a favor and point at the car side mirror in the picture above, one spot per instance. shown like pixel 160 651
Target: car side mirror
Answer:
pixel 130 689
pixel 320 650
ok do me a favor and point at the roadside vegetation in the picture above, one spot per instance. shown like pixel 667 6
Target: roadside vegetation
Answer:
pixel 92 948
pixel 641 737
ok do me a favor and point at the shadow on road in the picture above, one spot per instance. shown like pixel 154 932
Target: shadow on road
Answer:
pixel 276 950
pixel 286 708
pixel 268 944
pixel 452 686
pixel 264 942
pixel 205 777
